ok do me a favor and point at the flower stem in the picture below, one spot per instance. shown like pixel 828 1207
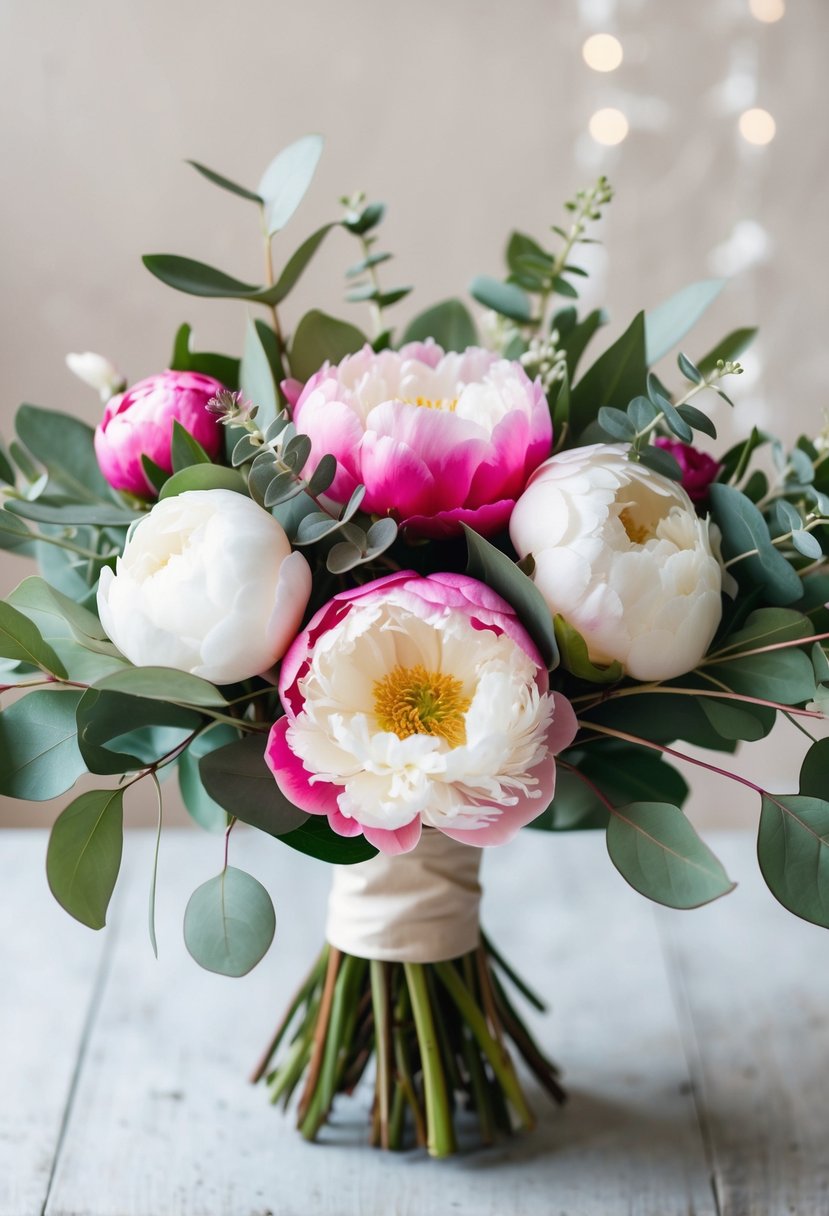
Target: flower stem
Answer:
pixel 440 1136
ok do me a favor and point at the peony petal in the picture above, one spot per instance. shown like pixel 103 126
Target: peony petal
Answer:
pixel 402 840
pixel 486 520
pixel 509 820
pixel 293 779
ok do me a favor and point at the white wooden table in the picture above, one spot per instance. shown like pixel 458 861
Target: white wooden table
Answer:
pixel 695 1047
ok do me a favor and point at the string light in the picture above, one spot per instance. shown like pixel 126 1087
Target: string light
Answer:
pixel 757 126
pixel 602 52
pixel 767 11
pixel 608 126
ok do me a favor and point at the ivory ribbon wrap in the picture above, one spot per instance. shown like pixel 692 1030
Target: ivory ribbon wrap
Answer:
pixel 417 907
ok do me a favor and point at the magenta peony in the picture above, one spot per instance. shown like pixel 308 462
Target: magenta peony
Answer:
pixel 437 439
pixel 139 422
pixel 414 702
pixel 698 468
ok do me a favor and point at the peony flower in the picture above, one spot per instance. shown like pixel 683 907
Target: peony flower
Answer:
pixel 97 372
pixel 698 468
pixel 139 423
pixel 418 701
pixel 437 439
pixel 621 554
pixel 207 584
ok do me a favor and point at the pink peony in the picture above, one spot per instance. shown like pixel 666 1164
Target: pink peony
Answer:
pixel 414 702
pixel 139 422
pixel 437 439
pixel 698 468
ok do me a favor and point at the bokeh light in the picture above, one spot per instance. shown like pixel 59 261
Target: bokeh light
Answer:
pixel 757 126
pixel 602 52
pixel 767 10
pixel 608 126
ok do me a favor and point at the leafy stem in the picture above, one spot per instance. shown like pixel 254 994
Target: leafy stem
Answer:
pixel 269 281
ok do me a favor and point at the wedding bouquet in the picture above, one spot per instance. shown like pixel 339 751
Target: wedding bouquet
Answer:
pixel 390 598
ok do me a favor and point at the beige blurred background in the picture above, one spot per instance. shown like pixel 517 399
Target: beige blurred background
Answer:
pixel 467 118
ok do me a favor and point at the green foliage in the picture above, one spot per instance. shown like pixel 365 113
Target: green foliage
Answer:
pixel 746 536
pixel 163 684
pixel 256 377
pixel 185 450
pixel 614 379
pixel 286 180
pixel 498 571
pixel 668 324
pixel 316 839
pixel 793 851
pixel 204 809
pixel 39 756
pixel 64 446
pixel 118 733
pixel 449 323
pixel 229 923
pixel 225 183
pixel 655 849
pixel 84 855
pixel 575 659
pixel 20 639
pixel 730 348
pixel 220 367
pixel 203 477
pixel 238 779
pixel 506 299
pixel 320 337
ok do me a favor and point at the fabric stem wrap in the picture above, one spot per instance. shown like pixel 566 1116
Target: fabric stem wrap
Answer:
pixel 417 907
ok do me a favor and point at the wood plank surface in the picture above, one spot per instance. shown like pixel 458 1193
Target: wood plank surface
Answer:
pixel 163 1124
pixel 49 966
pixel 753 992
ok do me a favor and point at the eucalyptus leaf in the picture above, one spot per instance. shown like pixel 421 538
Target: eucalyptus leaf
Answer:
pixel 163 684
pixel 39 756
pixel 221 367
pixel 656 850
pixel 696 419
pixel 744 530
pixel 807 544
pixel 343 556
pixel 204 477
pixel 238 779
pixel 14 534
pixel 504 298
pixel 21 639
pixel 668 324
pixel 574 341
pixel 793 851
pixel 449 323
pixel 617 423
pixel 734 720
pixel 225 183
pixel 785 676
pixel 316 839
pixel 615 378
pixel 323 475
pixel 287 178
pixel 729 349
pixel 65 447
pixel 320 337
pixel 113 734
pixel 766 627
pixel 575 657
pixel 204 809
pixel 198 279
pixel 296 265
pixel 185 449
pixel 56 615
pixel 499 572
pixel 256 378
pixel 84 855
pixel 229 923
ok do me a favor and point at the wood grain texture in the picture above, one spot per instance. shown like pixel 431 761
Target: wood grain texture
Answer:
pixel 163 1123
pixel 49 966
pixel 752 986
pixel 692 1043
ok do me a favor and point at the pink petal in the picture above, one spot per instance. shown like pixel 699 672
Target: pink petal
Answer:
pixel 508 821
pixel 342 825
pixel 564 726
pixel 293 779
pixel 400 840
pixel 395 477
pixel 486 520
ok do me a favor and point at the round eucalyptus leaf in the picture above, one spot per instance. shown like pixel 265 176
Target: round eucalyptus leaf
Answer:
pixel 229 923
pixel 84 855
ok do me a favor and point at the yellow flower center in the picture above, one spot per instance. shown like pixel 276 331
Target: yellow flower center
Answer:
pixel 638 531
pixel 414 701
pixel 447 404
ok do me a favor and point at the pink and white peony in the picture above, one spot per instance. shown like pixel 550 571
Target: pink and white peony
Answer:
pixel 437 439
pixel 139 423
pixel 622 555
pixel 415 702
pixel 207 584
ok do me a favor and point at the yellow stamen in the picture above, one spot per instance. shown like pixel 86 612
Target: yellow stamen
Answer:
pixel 447 404
pixel 638 532
pixel 414 701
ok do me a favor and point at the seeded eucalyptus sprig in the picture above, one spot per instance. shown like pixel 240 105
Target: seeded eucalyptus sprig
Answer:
pixel 277 457
pixel 361 220
pixel 646 416
pixel 536 274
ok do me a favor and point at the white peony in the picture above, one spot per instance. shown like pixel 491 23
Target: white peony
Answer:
pixel 621 554
pixel 207 584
